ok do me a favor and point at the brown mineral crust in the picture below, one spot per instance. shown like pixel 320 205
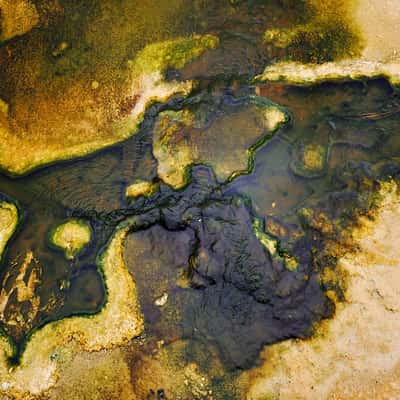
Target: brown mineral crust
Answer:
pixel 354 355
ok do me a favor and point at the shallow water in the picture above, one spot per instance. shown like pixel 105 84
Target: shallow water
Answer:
pixel 227 295
pixel 94 189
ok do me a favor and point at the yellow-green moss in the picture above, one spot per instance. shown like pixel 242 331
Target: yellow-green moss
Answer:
pixel 290 262
pixel 314 157
pixel 326 39
pixel 21 151
pixel 4 108
pixel 309 159
pixel 157 57
pixel 173 155
pixel 16 18
pixel 271 245
pixel 72 237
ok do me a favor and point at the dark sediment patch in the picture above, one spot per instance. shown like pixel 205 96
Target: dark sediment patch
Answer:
pixel 238 296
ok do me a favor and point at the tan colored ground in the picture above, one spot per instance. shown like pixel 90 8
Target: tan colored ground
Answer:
pixel 356 355
pixel 378 24
pixel 103 375
pixel 72 237
pixel 168 368
pixel 114 374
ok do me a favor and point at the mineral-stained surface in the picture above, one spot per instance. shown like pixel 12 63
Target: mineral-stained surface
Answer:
pixel 358 343
pixel 81 109
pixel 182 138
pixel 50 347
pixel 305 74
pixel 229 230
pixel 221 257
pixel 340 40
pixel 97 124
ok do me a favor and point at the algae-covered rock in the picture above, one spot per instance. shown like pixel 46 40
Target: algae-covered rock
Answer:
pixel 71 237
pixel 202 246
pixel 272 245
pixel 226 142
pixel 266 240
pixel 279 37
pixel 16 18
pixel 141 188
pixel 91 122
pixel 147 75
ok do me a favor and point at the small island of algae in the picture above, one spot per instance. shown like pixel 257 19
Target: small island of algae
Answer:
pixel 141 188
pixel 71 237
pixel 309 160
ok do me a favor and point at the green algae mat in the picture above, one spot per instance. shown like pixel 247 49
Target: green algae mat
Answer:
pixel 199 199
